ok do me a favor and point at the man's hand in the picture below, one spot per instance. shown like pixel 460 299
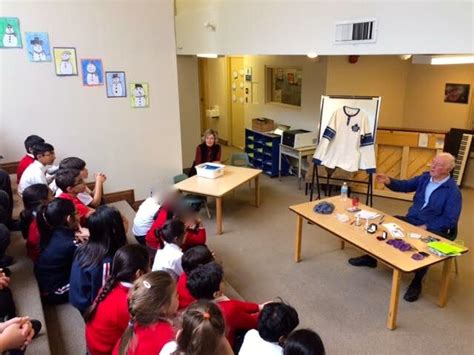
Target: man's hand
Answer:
pixel 382 178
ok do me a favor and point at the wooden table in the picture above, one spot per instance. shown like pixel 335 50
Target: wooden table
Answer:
pixel 298 153
pixel 233 177
pixel 397 260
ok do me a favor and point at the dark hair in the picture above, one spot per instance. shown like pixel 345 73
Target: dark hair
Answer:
pixel 72 163
pixel 33 197
pixel 107 235
pixel 205 280
pixel 172 231
pixel 127 261
pixel 32 140
pixel 148 303
pixel 183 209
pixel 304 342
pixel 195 256
pixel 41 148
pixel 53 215
pixel 276 320
pixel 66 178
pixel 203 327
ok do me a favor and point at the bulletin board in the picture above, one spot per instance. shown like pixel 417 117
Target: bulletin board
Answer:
pixel 369 104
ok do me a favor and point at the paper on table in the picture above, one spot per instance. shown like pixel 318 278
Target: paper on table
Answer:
pixel 364 214
pixel 422 140
pixel 394 229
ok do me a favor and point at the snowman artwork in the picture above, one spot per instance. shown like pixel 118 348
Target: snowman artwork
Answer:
pixel 92 77
pixel 139 97
pixel 117 85
pixel 38 54
pixel 10 38
pixel 65 67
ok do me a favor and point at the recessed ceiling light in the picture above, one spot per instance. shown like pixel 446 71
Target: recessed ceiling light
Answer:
pixel 207 55
pixel 312 55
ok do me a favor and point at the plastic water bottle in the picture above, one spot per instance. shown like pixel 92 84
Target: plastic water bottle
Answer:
pixel 344 190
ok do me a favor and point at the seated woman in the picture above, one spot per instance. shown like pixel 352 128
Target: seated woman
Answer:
pixel 208 151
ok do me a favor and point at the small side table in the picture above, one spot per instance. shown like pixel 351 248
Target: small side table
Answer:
pixel 298 153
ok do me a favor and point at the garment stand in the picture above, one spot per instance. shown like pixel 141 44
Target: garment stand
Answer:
pixel 369 183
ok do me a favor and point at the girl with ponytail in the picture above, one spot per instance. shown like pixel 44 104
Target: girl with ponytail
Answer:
pixel 107 318
pixel 152 303
pixel 202 333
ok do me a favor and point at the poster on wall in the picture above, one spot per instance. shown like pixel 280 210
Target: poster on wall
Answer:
pixel 115 83
pixel 139 95
pixel 92 72
pixel 456 93
pixel 65 61
pixel 37 45
pixel 10 32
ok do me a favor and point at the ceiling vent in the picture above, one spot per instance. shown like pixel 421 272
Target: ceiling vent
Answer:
pixel 356 32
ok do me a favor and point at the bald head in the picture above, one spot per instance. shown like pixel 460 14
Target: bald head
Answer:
pixel 441 166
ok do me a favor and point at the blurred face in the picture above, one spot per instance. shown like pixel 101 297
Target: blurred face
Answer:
pixel 210 140
pixel 84 173
pixel 440 167
pixel 47 158
pixel 79 185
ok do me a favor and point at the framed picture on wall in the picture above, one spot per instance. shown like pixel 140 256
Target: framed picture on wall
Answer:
pixel 37 45
pixel 10 35
pixel 65 61
pixel 284 85
pixel 139 95
pixel 92 72
pixel 456 93
pixel 115 83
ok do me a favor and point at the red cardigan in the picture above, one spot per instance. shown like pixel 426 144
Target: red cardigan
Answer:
pixel 24 163
pixel 238 315
pixel 109 322
pixel 185 297
pixel 33 241
pixel 149 339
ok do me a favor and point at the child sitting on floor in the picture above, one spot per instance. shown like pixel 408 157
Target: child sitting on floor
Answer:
pixel 108 317
pixel 304 342
pixel 28 158
pixel 152 304
pixel 169 257
pixel 277 320
pixel 145 217
pixel 191 259
pixel 206 282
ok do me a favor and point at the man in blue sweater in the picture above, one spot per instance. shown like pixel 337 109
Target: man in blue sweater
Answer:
pixel 436 208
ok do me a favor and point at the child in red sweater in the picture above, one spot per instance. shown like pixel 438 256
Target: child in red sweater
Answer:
pixel 205 282
pixel 30 141
pixel 108 317
pixel 192 258
pixel 152 303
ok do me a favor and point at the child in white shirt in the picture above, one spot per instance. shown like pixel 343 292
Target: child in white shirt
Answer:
pixel 35 173
pixel 168 258
pixel 144 218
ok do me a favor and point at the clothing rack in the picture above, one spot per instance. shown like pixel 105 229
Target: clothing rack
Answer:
pixel 369 183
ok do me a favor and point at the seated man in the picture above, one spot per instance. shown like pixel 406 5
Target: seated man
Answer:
pixel 35 173
pixel 436 208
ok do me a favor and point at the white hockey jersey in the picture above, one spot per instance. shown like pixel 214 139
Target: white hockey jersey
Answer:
pixel 347 142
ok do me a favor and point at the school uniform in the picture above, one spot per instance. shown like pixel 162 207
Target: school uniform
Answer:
pixel 84 197
pixel 24 163
pixel 185 297
pixel 53 267
pixel 194 237
pixel 162 216
pixel 238 315
pixel 254 344
pixel 149 339
pixel 109 322
pixel 35 173
pixel 144 218
pixel 81 209
pixel 169 259
pixel 86 282
pixel 33 241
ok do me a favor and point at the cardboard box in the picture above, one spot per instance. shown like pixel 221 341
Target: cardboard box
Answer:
pixel 262 124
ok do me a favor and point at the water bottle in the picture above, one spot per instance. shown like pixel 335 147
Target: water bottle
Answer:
pixel 344 190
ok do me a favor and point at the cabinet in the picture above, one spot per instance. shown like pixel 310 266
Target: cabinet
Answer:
pixel 263 150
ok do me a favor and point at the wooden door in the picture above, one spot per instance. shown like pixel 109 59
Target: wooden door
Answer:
pixel 237 91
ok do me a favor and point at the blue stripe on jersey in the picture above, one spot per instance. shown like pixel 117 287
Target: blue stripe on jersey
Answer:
pixel 329 133
pixel 366 139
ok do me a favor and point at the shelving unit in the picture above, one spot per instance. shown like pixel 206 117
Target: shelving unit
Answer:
pixel 263 150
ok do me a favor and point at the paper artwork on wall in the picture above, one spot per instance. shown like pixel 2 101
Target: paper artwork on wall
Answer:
pixel 38 48
pixel 65 61
pixel 10 32
pixel 92 72
pixel 248 73
pixel 139 96
pixel 116 84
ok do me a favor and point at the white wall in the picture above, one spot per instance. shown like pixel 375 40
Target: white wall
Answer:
pixel 302 26
pixel 188 82
pixel 136 148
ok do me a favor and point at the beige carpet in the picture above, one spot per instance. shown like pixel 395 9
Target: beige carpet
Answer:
pixel 346 305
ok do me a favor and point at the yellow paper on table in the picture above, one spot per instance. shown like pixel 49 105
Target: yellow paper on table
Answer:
pixel 445 248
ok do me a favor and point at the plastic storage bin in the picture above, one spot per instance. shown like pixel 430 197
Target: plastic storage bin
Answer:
pixel 210 170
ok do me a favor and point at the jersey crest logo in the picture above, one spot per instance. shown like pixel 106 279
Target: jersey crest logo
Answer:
pixel 355 128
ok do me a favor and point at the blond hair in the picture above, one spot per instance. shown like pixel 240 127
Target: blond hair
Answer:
pixel 209 132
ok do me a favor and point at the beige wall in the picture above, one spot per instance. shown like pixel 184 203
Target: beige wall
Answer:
pixel 424 96
pixel 188 82
pixel 136 148
pixel 384 76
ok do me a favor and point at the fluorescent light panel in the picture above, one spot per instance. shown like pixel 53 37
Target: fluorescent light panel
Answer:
pixel 207 55
pixel 455 59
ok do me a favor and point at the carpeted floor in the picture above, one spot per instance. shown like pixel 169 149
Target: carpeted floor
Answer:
pixel 347 306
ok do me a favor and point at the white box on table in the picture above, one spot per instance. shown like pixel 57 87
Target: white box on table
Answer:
pixel 210 170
